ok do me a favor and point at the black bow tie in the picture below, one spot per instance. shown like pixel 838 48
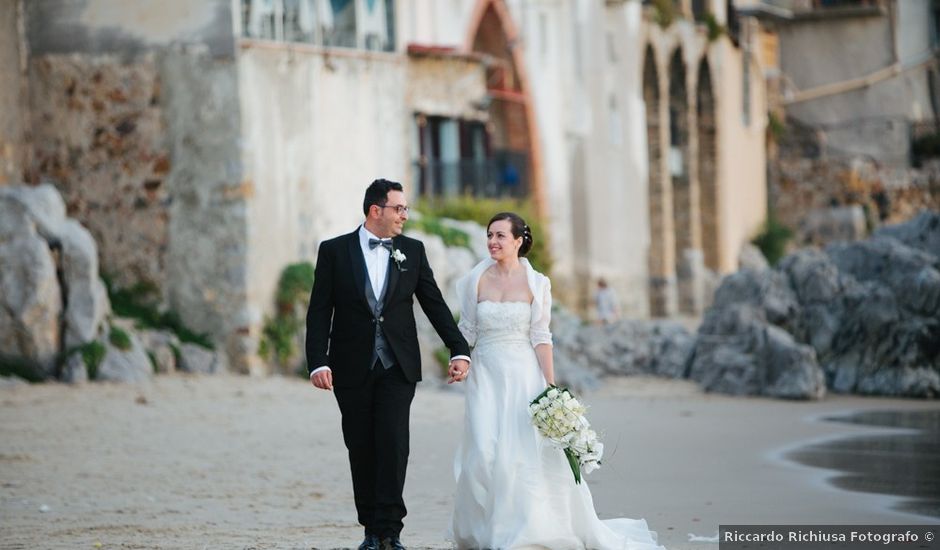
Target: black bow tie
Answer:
pixel 387 243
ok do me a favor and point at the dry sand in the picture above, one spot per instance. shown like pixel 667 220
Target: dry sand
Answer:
pixel 236 462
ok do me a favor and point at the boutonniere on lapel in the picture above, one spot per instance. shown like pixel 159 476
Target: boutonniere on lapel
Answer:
pixel 399 257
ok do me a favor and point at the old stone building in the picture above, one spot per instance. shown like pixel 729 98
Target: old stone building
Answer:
pixel 208 145
pixel 650 118
pixel 704 89
pixel 860 100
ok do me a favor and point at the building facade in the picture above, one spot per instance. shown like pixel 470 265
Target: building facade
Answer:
pixel 209 145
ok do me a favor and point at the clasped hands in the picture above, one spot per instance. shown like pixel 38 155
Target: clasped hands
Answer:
pixel 458 370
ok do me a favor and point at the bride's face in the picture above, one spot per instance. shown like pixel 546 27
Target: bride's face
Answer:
pixel 500 241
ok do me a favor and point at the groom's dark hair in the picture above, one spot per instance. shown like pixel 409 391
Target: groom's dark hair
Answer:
pixel 377 193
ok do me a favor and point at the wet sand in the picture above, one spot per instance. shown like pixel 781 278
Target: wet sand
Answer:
pixel 236 462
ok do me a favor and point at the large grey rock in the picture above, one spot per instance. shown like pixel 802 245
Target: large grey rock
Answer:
pixel 922 232
pixel 30 300
pixel 565 326
pixel 131 365
pixel 711 281
pixel 44 205
pixel 819 287
pixel 475 232
pixel 881 348
pixel 199 360
pixel 739 352
pixel 911 274
pixel 750 257
pixel 766 290
pixel 88 305
pixel 449 263
pixel 74 370
pixel 625 347
pixel 870 311
pixel 461 261
pixel 84 295
pixel 159 344
pixel 573 373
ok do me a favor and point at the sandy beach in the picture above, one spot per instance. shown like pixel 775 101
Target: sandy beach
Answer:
pixel 237 462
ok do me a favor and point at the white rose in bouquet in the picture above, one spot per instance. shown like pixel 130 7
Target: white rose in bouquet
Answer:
pixel 560 418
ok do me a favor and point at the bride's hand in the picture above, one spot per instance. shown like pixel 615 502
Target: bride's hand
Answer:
pixel 458 371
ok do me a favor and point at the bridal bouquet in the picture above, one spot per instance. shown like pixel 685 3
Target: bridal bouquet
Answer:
pixel 560 417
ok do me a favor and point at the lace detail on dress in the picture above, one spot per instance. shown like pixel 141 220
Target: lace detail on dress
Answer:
pixel 502 321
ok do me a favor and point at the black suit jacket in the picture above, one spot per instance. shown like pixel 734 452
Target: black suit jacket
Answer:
pixel 341 326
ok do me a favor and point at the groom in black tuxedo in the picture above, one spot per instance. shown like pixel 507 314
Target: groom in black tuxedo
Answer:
pixel 362 343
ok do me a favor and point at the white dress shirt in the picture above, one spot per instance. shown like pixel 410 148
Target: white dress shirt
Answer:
pixel 377 269
pixel 376 261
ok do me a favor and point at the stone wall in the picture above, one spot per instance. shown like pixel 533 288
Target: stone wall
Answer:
pixel 806 180
pixel 11 94
pixel 99 134
pixel 134 107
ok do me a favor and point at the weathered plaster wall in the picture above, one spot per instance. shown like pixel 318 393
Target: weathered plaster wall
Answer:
pixel 11 95
pixel 446 86
pixel 868 121
pixel 207 230
pixel 742 162
pixel 128 28
pixel 317 129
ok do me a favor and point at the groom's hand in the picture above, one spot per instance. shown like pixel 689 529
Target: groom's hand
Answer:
pixel 458 370
pixel 322 379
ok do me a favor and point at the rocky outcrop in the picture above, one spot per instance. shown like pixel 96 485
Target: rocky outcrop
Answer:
pixel 750 257
pixel 738 351
pixel 125 365
pixel 198 360
pixel 84 295
pixel 584 353
pixel 54 309
pixel 160 344
pixel 449 264
pixel 859 317
pixel 30 297
pixel 922 233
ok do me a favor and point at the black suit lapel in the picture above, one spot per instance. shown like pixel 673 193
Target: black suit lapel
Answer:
pixel 394 272
pixel 358 263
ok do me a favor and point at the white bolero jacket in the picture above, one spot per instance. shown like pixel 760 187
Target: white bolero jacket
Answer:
pixel 539 285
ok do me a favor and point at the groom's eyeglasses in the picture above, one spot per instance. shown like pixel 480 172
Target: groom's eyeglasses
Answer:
pixel 401 209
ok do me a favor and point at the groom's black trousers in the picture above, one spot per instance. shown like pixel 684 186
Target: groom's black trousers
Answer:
pixel 375 429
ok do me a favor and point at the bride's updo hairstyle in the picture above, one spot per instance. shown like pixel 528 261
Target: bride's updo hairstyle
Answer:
pixel 518 228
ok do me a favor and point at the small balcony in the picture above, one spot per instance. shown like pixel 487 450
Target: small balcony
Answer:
pixel 505 174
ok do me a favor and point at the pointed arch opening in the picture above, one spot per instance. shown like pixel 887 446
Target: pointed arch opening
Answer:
pixel 708 166
pixel 679 152
pixel 513 135
pixel 659 260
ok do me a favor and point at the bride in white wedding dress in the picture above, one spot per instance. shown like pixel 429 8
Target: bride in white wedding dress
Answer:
pixel 514 490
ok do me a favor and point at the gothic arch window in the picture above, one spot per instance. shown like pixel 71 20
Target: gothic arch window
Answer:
pixel 708 166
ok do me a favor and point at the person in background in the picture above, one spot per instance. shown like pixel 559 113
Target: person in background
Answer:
pixel 606 303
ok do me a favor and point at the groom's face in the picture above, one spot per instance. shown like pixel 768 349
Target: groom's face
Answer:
pixel 390 221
